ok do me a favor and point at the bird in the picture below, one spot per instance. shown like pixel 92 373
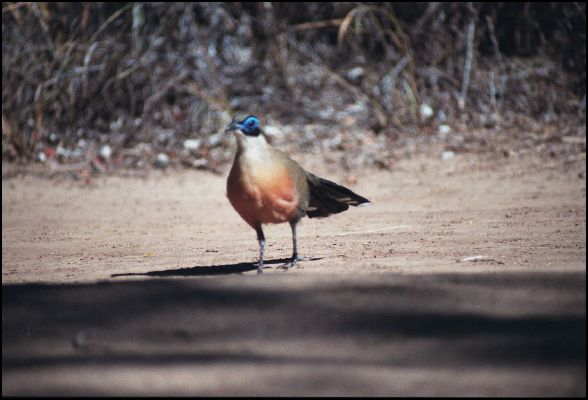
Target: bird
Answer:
pixel 265 186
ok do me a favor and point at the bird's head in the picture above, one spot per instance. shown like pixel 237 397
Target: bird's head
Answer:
pixel 250 126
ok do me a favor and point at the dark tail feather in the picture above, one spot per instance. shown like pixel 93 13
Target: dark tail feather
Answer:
pixel 328 198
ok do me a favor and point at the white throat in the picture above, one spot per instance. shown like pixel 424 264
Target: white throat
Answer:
pixel 252 147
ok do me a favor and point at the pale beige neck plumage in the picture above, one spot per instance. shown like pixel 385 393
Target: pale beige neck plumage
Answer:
pixel 252 150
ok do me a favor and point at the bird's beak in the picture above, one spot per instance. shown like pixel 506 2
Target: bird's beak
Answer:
pixel 233 126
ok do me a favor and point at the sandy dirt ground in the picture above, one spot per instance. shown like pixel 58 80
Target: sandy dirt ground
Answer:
pixel 147 286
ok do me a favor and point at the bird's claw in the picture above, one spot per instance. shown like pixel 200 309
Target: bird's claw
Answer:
pixel 292 263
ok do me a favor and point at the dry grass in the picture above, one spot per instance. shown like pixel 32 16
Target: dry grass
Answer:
pixel 77 76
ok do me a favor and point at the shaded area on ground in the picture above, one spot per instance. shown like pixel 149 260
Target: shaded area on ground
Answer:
pixel 389 322
pixel 223 269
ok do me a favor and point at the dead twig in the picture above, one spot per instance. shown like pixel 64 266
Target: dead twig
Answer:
pixel 418 26
pixel 492 83
pixel 14 10
pixel 316 24
pixel 114 16
pixel 469 59
pixel 39 10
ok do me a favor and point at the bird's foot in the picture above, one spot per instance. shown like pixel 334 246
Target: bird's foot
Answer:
pixel 260 267
pixel 292 263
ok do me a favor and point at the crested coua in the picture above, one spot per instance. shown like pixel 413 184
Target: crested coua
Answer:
pixel 265 186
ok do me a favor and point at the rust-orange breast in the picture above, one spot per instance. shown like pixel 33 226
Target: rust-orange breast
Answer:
pixel 266 194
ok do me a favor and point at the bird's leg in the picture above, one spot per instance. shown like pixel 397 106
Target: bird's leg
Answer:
pixel 261 240
pixel 295 257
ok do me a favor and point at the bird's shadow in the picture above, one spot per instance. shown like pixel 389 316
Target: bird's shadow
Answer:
pixel 209 270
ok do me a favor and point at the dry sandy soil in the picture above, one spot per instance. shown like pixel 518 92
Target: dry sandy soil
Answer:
pixel 147 286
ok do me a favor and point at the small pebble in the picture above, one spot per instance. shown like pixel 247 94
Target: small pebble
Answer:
pixel 447 155
pixel 162 160
pixel 105 152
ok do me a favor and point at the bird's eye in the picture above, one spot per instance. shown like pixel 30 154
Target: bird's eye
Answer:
pixel 251 122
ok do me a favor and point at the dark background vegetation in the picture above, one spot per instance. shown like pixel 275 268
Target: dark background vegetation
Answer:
pixel 111 86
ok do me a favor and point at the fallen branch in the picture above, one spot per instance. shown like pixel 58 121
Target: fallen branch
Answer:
pixel 480 259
